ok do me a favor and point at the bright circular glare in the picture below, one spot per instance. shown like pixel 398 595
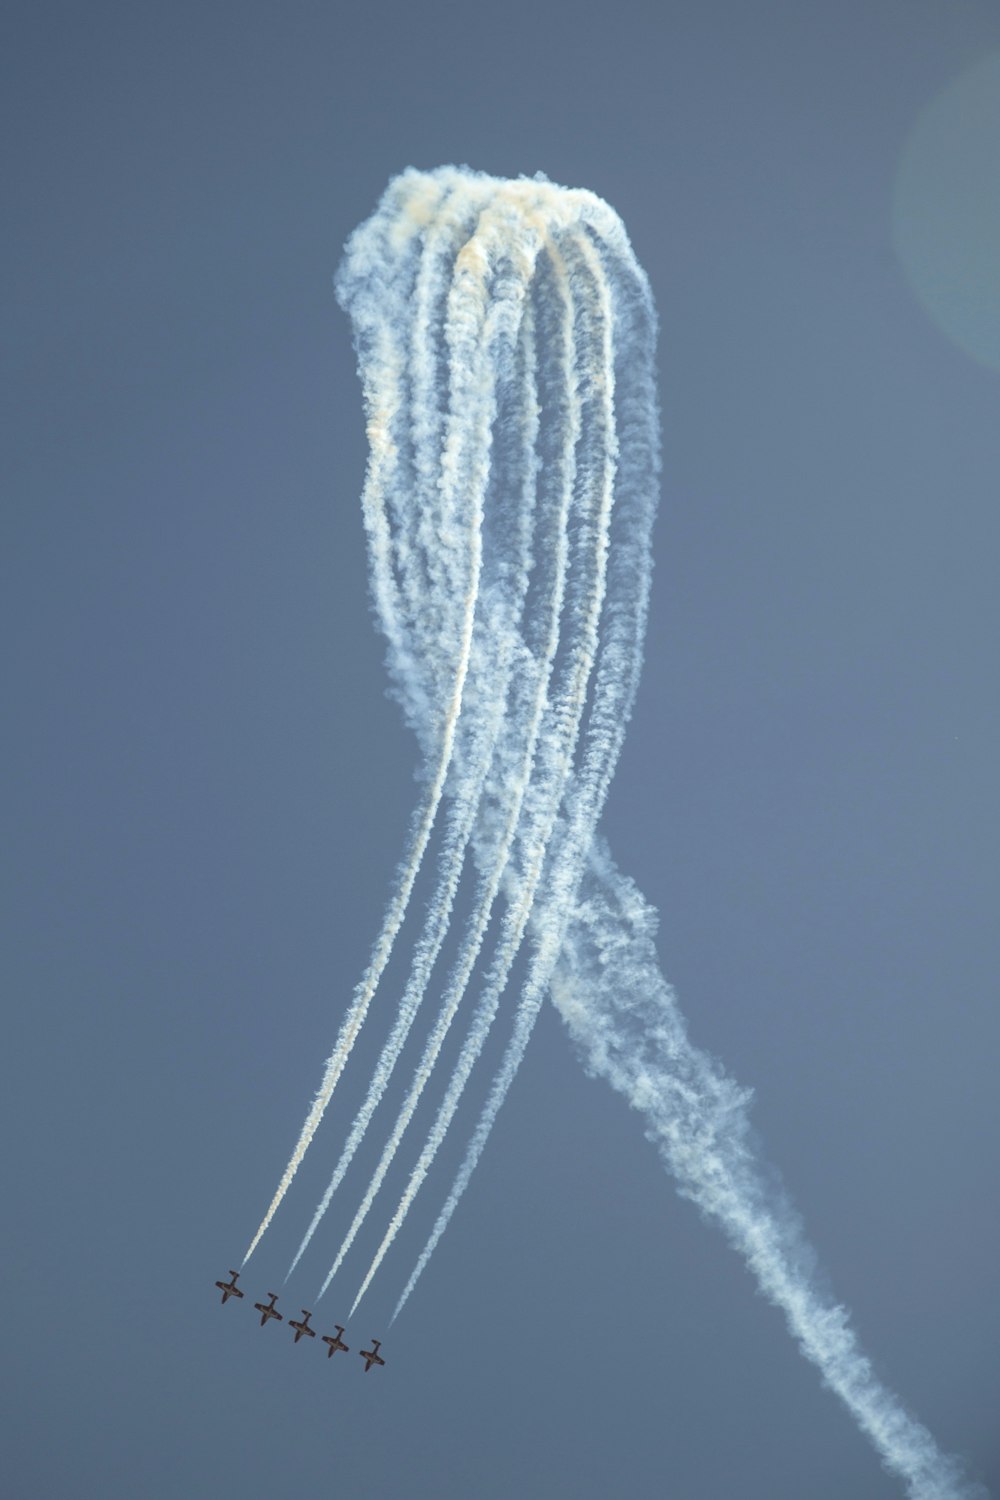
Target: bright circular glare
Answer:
pixel 946 210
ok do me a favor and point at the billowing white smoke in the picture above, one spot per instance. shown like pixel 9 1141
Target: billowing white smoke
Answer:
pixel 625 1020
pixel 505 337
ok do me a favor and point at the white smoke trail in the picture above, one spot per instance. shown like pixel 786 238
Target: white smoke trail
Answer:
pixel 597 479
pixel 566 714
pixel 632 380
pixel 381 394
pixel 624 1018
pixel 430 388
pixel 466 795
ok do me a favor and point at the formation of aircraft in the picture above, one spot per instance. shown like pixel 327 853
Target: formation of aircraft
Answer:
pixel 333 1341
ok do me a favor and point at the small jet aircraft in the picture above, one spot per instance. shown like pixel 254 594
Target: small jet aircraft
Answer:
pixel 303 1327
pixel 267 1309
pixel 335 1342
pixel 372 1356
pixel 229 1288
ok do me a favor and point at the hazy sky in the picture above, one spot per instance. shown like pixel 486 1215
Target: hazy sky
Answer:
pixel 207 788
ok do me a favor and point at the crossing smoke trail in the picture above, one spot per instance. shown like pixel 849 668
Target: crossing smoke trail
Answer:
pixel 505 337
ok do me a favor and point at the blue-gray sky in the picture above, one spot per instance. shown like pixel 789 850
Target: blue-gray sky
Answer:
pixel 207 788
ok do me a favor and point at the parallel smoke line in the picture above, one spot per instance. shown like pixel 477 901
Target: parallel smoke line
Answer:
pixel 423 824
pixel 614 693
pixel 491 880
pixel 466 796
pixel 598 480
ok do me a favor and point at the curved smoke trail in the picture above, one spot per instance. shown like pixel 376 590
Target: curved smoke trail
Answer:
pixel 505 337
pixel 552 767
pixel 382 395
pixel 468 792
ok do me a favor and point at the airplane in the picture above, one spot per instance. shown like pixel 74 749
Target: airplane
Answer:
pixel 302 1327
pixel 372 1356
pixel 267 1309
pixel 335 1342
pixel 229 1288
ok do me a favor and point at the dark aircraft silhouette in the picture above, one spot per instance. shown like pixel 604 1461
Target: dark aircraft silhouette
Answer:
pixel 335 1342
pixel 267 1309
pixel 229 1288
pixel 303 1327
pixel 372 1356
